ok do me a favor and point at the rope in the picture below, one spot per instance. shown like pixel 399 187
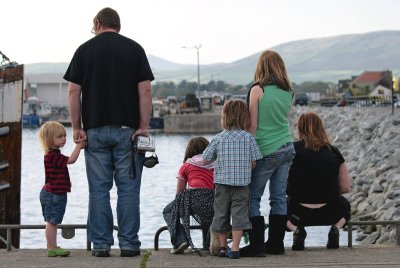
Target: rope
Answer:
pixel 5 62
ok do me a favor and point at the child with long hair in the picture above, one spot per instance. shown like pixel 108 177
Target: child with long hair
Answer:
pixel 235 152
pixel 53 196
pixel 270 100
pixel 197 176
pixel 317 180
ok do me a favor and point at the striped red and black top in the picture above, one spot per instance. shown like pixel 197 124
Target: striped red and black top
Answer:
pixel 57 175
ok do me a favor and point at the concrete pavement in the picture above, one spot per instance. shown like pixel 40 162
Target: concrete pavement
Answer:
pixel 368 256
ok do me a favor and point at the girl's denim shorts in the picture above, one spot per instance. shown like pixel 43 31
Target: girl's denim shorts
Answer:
pixel 53 206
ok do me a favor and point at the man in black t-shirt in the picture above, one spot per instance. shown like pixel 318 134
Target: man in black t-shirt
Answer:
pixel 110 103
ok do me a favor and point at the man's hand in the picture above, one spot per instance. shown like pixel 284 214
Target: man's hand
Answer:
pixel 141 131
pixel 79 136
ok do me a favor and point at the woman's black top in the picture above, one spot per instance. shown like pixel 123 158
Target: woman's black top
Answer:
pixel 313 176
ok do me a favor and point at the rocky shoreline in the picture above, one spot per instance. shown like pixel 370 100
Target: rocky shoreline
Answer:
pixel 369 139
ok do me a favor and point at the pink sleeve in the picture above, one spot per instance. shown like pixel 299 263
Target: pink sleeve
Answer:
pixel 182 172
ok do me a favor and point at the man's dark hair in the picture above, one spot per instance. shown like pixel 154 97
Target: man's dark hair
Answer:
pixel 109 18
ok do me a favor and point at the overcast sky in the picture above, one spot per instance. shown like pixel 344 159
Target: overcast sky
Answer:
pixel 50 30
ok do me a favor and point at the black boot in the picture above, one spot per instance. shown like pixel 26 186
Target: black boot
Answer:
pixel 333 238
pixel 276 234
pixel 256 237
pixel 298 238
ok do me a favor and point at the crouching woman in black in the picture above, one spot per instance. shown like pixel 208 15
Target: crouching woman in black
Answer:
pixel 317 178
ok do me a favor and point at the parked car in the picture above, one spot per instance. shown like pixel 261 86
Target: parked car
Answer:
pixel 300 99
pixel 190 104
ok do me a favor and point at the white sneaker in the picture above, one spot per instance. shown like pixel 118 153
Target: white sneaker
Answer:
pixel 182 247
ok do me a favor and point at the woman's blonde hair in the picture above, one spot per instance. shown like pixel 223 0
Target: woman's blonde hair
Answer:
pixel 194 147
pixel 48 131
pixel 271 68
pixel 312 132
pixel 235 115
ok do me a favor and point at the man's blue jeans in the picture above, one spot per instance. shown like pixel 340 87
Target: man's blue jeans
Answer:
pixel 275 169
pixel 109 157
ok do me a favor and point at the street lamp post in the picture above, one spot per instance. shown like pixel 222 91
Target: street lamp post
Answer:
pixel 393 81
pixel 197 47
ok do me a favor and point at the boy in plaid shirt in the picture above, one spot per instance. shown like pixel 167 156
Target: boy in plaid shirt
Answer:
pixel 235 152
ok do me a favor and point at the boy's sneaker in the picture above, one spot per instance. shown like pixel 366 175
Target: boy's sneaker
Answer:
pixel 101 252
pixel 57 252
pixel 179 250
pixel 232 254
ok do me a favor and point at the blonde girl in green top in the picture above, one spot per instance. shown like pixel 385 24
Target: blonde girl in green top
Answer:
pixel 270 100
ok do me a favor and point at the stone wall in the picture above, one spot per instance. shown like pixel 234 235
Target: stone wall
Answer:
pixel 369 139
pixel 193 123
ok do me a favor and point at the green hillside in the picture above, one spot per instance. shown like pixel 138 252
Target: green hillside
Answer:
pixel 320 59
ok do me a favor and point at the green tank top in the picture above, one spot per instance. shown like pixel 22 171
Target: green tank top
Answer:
pixel 272 125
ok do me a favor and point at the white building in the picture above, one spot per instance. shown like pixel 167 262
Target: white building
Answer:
pixel 381 91
pixel 50 88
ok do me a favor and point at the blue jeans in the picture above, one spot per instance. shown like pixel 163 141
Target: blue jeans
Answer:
pixel 53 206
pixel 109 157
pixel 275 169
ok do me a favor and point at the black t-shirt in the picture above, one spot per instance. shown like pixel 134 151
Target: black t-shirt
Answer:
pixel 313 176
pixel 109 68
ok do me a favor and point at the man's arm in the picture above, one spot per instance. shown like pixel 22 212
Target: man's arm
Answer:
pixel 74 106
pixel 145 106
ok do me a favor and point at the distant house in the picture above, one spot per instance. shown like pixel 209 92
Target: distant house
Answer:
pixel 369 80
pixel 50 88
pixel 343 85
pixel 381 91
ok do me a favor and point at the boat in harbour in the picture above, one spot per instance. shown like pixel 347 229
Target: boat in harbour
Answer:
pixel 35 112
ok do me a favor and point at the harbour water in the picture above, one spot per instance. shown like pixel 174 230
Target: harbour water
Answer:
pixel 158 189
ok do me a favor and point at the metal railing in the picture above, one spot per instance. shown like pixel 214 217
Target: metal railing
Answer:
pixel 67 231
pixel 206 243
pixel 359 101
pixel 351 223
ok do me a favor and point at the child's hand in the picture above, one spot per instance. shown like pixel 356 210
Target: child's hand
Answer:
pixel 80 136
pixel 82 143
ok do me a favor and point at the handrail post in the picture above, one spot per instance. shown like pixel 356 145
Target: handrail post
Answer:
pixel 350 235
pixel 398 234
pixel 156 236
pixel 9 239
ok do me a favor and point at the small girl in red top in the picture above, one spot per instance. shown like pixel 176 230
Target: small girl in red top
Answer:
pixel 53 196
pixel 195 179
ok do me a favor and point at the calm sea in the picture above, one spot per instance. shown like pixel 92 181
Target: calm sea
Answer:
pixel 158 189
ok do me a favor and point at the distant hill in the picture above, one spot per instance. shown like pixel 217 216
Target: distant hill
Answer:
pixel 319 59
